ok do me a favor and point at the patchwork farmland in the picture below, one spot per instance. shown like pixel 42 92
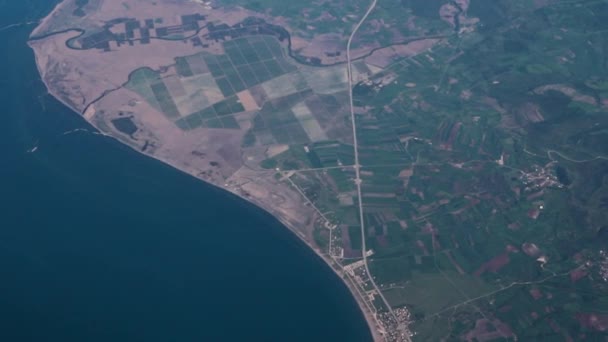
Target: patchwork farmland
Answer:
pixel 252 79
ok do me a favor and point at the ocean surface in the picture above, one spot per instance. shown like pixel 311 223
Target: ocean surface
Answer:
pixel 99 243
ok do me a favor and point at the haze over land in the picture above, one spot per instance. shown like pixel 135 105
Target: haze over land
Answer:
pixel 462 164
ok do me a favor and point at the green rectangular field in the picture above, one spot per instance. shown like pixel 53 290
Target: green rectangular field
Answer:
pixel 225 63
pixel 214 123
pixel 248 52
pixel 280 135
pixel 255 39
pixel 273 45
pixel 214 66
pixel 262 50
pixel 165 100
pixel 194 120
pixel 247 76
pixel 207 113
pixel 289 133
pixel 259 124
pixel 230 43
pixel 230 105
pixel 225 86
pixel 182 67
pixel 235 81
pixel 297 133
pixel 230 122
pixel 260 71
pixel 274 68
pixel 286 65
pixel 354 234
pixel 241 43
pixel 223 107
pixel 278 117
pixel 235 56
pixel 182 124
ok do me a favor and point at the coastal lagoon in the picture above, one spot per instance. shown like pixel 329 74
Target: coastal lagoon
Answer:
pixel 100 243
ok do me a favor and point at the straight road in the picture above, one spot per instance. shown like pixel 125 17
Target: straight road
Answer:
pixel 357 166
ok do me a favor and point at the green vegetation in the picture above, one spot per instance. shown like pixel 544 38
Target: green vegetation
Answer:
pixel 247 62
pixel 460 179
pixel 335 18
pixel 483 159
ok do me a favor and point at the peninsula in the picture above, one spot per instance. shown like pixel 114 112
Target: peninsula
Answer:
pixel 412 145
pixel 215 91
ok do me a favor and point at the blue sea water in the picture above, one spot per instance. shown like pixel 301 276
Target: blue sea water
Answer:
pixel 99 243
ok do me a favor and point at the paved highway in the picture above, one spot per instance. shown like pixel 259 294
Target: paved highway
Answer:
pixel 357 166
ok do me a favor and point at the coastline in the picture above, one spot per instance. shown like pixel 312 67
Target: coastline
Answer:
pixel 46 19
pixel 363 307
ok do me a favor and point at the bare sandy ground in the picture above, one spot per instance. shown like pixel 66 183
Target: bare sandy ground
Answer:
pixel 91 82
pixel 247 100
pixel 83 75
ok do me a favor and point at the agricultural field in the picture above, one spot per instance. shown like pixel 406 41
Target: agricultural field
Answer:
pixel 483 174
pixel 319 29
pixel 482 142
pixel 293 104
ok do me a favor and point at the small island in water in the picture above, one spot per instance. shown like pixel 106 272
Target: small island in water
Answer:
pixel 422 149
